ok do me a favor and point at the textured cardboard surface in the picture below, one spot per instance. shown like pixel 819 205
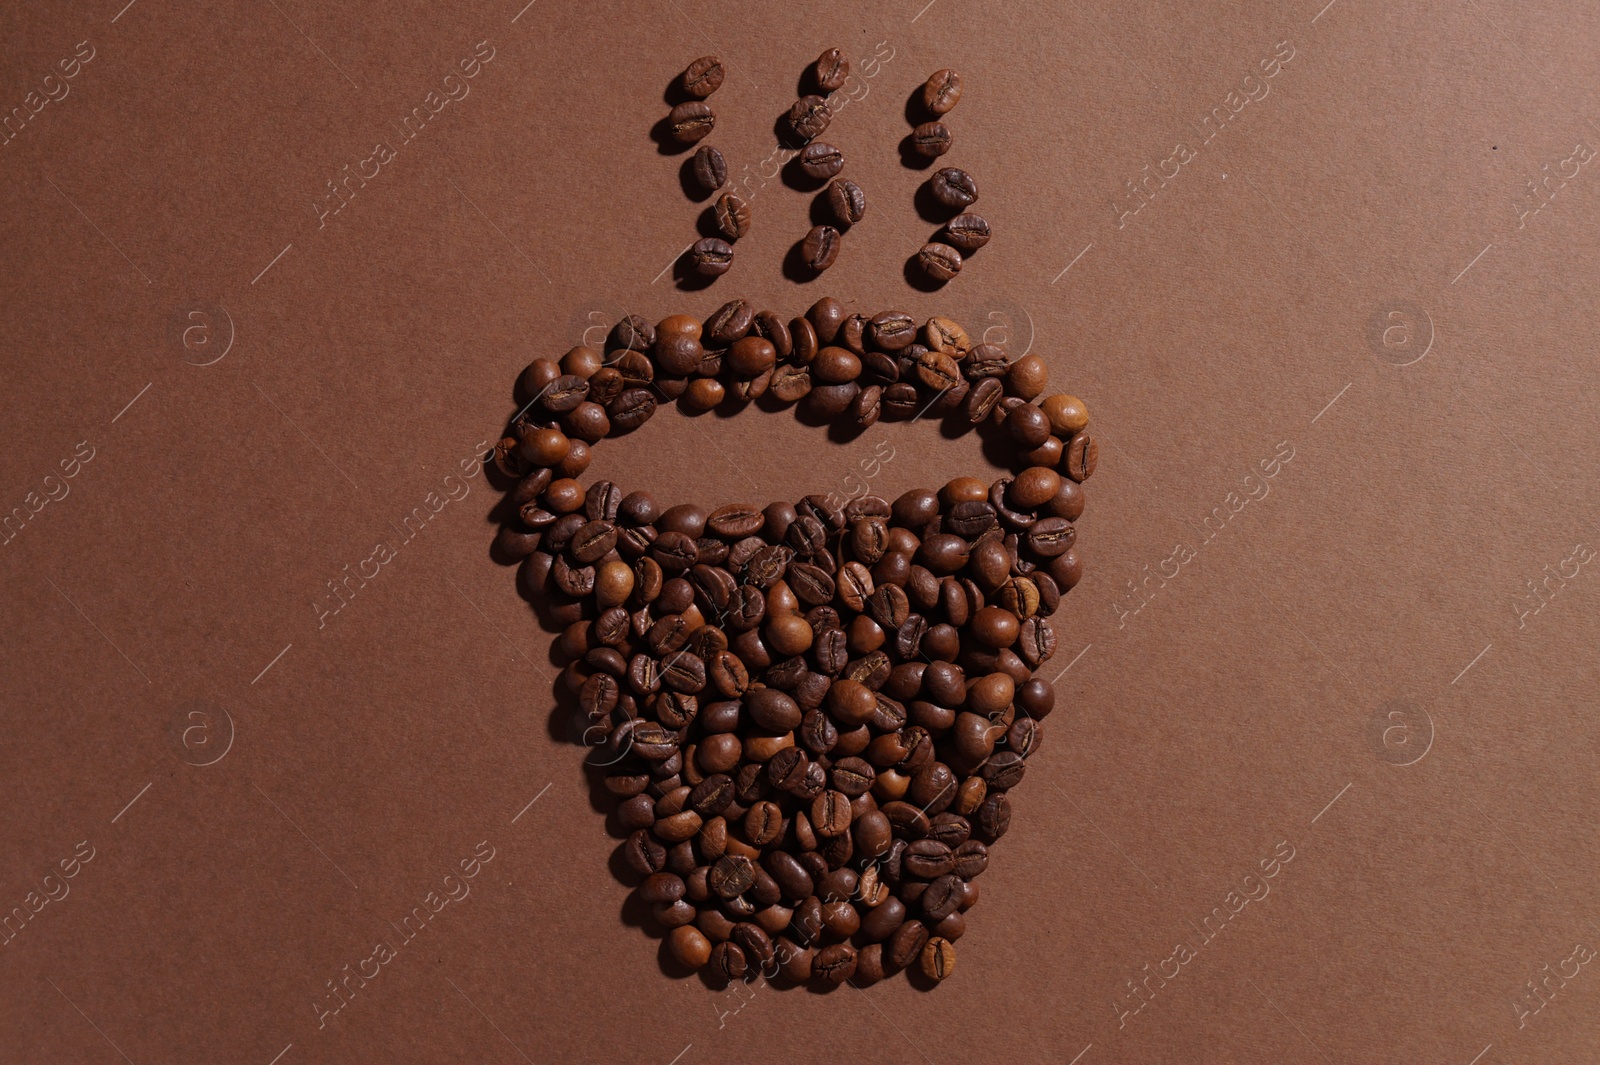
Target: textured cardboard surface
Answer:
pixel 1349 281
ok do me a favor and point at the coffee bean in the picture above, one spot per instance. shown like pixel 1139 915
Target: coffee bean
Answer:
pixel 728 962
pixel 846 202
pixel 733 215
pixel 835 963
pixel 703 77
pixel 734 521
pixel 953 187
pixel 809 117
pixel 907 942
pixel 690 122
pixel 931 139
pixel 938 958
pixel 942 91
pixel 928 858
pixel 830 70
pixel 1083 454
pixel 821 161
pixel 710 172
pixel 830 814
pixel 711 257
pixel 820 249
pixel 940 262
pixel 731 876
pixel 892 331
pixel 967 232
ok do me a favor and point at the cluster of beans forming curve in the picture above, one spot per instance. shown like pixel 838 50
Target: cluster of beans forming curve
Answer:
pixel 810 715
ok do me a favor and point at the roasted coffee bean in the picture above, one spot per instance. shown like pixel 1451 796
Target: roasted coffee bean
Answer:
pixel 940 262
pixel 993 816
pixel 967 232
pixel 1083 454
pixel 906 943
pixel 891 331
pixel 727 962
pixel 732 214
pixel 846 202
pixel 809 117
pixel 690 122
pixel 703 77
pixel 942 91
pixel 953 188
pixel 830 814
pixel 735 521
pixel 711 257
pixel 942 898
pixel 938 958
pixel 835 963
pixel 792 879
pixel 830 70
pixel 790 383
pixel 931 139
pixel 820 249
pixel 729 674
pixel 683 672
pixel 710 171
pixel 1051 537
pixel 821 161
pixel 731 876
pixel 928 858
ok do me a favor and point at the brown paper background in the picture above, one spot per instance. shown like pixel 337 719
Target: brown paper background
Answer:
pixel 361 362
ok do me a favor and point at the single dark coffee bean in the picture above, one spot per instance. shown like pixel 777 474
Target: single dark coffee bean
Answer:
pixel 931 139
pixel 820 249
pixel 892 331
pixel 901 400
pixel 661 887
pixel 830 70
pixel 928 858
pixel 809 117
pixel 940 262
pixel 835 963
pixel 710 171
pixel 846 202
pixel 728 962
pixel 942 898
pixel 971 858
pixel 993 816
pixel 905 945
pixel 821 161
pixel 565 394
pixel 938 958
pixel 733 215
pixel 830 814
pixel 711 257
pixel 866 408
pixel 1083 454
pixel 643 853
pixel 756 944
pixel 942 91
pixel 690 122
pixel 731 875
pixel 953 187
pixel 684 672
pixel 735 521
pixel 703 77
pixel 967 232
pixel 712 795
pixel 793 881
pixel 634 332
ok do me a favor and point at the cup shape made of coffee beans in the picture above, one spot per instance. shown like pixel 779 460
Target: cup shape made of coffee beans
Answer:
pixel 810 714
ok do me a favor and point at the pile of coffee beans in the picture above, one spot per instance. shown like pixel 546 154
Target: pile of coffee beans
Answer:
pixel 810 714
pixel 952 188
